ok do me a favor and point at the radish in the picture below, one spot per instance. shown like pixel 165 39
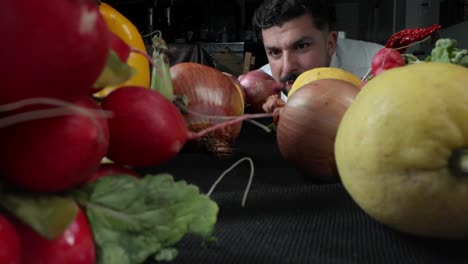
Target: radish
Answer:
pixel 119 46
pixel 123 50
pixel 110 169
pixel 147 129
pixel 56 49
pixel 56 153
pixel 385 59
pixel 10 248
pixel 74 246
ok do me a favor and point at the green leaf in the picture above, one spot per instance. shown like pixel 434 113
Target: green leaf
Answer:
pixel 446 51
pixel 410 58
pixel 115 72
pixel 49 215
pixel 167 254
pixel 143 217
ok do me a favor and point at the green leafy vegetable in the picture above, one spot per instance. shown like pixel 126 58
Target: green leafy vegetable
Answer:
pixel 115 72
pixel 410 58
pixel 133 219
pixel 446 50
pixel 47 214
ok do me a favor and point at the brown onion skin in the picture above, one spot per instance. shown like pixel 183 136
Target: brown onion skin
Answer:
pixel 308 124
pixel 210 92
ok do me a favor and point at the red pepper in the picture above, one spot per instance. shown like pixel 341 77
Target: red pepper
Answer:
pixel 406 37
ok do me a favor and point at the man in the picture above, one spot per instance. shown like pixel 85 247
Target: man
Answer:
pixel 299 35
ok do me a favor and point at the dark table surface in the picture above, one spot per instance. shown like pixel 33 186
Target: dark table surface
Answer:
pixel 289 218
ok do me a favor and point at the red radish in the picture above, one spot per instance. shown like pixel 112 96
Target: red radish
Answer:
pixel 56 153
pixel 74 246
pixel 147 129
pixel 111 169
pixel 119 46
pixel 123 50
pixel 258 86
pixel 56 49
pixel 10 248
pixel 385 59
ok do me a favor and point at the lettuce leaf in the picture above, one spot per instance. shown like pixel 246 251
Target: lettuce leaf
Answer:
pixel 133 219
pixel 446 50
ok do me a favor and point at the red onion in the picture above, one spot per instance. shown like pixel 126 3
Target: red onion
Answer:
pixel 258 86
pixel 211 95
pixel 308 124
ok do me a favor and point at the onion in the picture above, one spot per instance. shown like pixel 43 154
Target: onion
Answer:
pixel 308 124
pixel 258 86
pixel 211 95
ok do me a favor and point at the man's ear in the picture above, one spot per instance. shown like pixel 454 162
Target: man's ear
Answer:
pixel 331 42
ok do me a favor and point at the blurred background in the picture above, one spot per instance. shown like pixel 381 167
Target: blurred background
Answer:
pixel 224 28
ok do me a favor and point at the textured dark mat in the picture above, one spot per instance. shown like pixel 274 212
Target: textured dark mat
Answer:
pixel 290 219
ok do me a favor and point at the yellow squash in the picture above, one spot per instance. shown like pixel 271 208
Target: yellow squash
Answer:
pixel 323 73
pixel 127 31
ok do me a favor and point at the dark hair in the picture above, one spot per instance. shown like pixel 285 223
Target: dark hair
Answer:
pixel 276 12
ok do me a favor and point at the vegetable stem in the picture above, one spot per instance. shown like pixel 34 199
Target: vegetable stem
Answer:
pixel 161 76
pixel 144 54
pixel 63 108
pixel 232 120
pixel 249 183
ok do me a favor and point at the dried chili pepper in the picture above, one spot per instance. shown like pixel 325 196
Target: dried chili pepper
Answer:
pixel 406 37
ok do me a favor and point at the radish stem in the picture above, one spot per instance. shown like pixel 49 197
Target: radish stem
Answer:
pixel 249 183
pixel 230 121
pixel 55 102
pixel 267 129
pixel 260 125
pixel 144 54
pixel 161 80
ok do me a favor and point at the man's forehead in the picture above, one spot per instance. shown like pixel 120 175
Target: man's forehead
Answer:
pixel 290 33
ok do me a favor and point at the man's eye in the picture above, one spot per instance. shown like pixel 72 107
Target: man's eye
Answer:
pixel 303 45
pixel 274 53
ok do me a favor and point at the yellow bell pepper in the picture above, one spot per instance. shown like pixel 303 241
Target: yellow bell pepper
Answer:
pixel 127 31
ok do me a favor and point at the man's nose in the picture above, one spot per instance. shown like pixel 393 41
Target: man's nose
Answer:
pixel 289 64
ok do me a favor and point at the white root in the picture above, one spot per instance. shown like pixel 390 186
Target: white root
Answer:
pixel 368 73
pixel 258 124
pixel 249 183
pixel 229 120
pixel 54 102
pixel 62 108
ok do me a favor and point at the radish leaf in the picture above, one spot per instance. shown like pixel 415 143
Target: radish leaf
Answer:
pixel 115 72
pixel 49 215
pixel 144 217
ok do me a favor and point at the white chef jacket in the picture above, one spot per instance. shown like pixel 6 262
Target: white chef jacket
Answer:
pixel 351 55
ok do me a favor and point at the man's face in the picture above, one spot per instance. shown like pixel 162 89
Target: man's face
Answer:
pixel 297 46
